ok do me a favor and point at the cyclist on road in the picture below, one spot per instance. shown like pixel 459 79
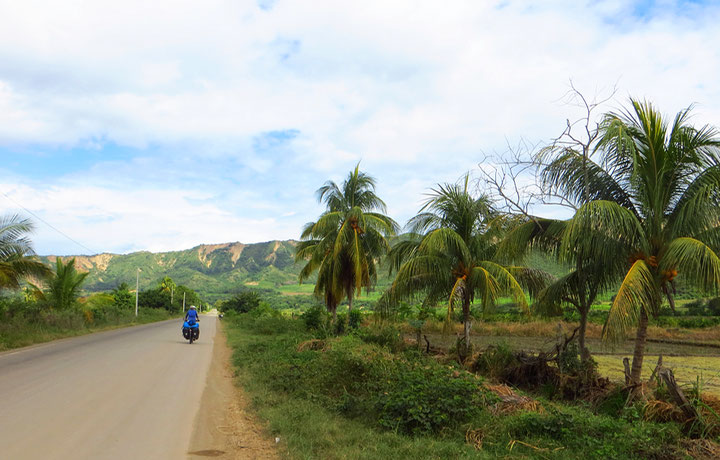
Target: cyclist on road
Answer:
pixel 192 315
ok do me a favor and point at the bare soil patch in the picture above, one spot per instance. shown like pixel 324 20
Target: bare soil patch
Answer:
pixel 224 428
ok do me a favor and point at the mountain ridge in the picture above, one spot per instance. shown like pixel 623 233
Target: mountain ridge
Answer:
pixel 213 270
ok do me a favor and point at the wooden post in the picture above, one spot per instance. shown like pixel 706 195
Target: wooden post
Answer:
pixel 677 394
pixel 657 367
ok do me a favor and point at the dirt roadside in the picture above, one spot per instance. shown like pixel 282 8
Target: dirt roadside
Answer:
pixel 224 427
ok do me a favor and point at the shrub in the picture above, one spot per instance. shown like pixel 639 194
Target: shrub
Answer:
pixel 427 399
pixel 123 297
pixel 713 306
pixel 264 309
pixel 243 302
pixel 315 318
pixel 495 361
pixel 385 336
pixel 354 319
pixel 340 324
pixel 688 322
pixel 696 308
pixel 595 435
pixel 154 298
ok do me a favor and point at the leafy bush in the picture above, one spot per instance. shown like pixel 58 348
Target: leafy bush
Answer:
pixel 123 297
pixel 494 361
pixel 346 386
pixel 688 322
pixel 340 324
pixel 713 306
pixel 594 316
pixel 427 399
pixel 354 319
pixel 384 335
pixel 595 435
pixel 263 310
pixel 316 318
pixel 154 298
pixel 696 308
pixel 243 302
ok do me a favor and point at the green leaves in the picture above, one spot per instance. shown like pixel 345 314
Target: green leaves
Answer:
pixel 637 291
pixel 16 254
pixel 698 264
pixel 344 243
pixel 449 254
pixel 63 287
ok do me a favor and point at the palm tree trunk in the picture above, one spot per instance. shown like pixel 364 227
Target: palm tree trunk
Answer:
pixel 638 354
pixel 349 303
pixel 466 320
pixel 584 352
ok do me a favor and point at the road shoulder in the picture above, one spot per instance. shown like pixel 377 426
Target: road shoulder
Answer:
pixel 224 428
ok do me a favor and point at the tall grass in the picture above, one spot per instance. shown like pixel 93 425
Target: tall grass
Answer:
pixel 30 327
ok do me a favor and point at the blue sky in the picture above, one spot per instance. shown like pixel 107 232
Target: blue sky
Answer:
pixel 162 125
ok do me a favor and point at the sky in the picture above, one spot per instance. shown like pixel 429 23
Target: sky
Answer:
pixel 135 125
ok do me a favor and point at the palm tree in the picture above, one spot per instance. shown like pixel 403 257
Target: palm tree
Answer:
pixel 449 254
pixel 16 255
pixel 346 241
pixel 654 207
pixel 63 287
pixel 580 287
pixel 168 285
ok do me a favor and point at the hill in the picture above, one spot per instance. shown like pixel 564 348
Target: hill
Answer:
pixel 216 271
pixel 213 270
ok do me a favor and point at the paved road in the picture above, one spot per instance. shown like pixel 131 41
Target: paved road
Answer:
pixel 131 393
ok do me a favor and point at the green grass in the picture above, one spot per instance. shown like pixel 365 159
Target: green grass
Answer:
pixel 324 404
pixel 21 333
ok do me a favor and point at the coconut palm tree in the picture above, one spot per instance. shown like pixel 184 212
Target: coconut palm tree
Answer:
pixel 589 277
pixel 16 255
pixel 654 207
pixel 449 254
pixel 346 241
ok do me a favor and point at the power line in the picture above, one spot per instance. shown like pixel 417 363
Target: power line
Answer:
pixel 90 251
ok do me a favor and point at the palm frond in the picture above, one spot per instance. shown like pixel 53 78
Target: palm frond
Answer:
pixel 695 260
pixel 568 173
pixel 532 280
pixel 637 291
pixel 506 282
pixel 446 241
pixel 563 291
pixel 597 223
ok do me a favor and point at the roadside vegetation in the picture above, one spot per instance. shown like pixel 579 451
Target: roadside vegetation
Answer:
pixel 367 393
pixel 39 303
pixel 468 350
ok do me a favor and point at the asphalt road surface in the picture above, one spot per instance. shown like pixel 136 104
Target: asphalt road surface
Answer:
pixel 130 393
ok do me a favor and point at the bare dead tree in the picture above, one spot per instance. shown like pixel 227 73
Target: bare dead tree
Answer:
pixel 579 135
pixel 514 181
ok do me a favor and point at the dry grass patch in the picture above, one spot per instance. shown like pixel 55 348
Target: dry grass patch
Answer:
pixel 701 449
pixel 511 402
pixel 313 344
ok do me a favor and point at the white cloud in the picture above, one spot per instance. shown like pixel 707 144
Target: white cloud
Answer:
pixel 146 219
pixel 416 90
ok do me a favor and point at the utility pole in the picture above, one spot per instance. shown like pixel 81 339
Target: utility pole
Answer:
pixel 137 290
pixel 183 302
